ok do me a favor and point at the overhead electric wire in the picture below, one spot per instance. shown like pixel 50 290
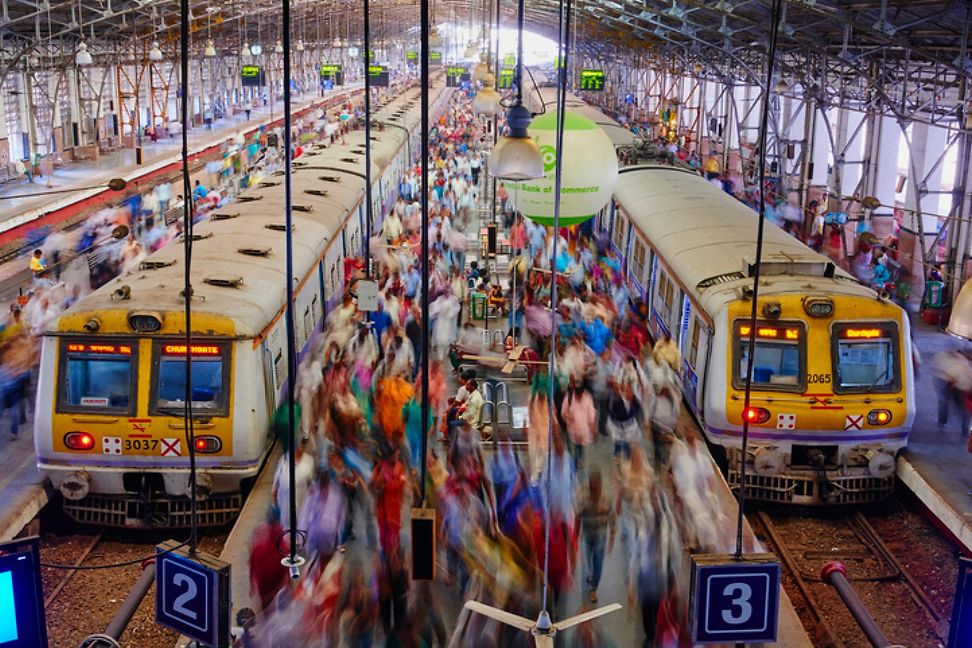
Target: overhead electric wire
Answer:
pixel 188 210
pixel 754 310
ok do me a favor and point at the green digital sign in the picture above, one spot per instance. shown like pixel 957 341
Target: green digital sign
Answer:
pixel 330 69
pixel 455 71
pixel 435 58
pixel 505 81
pixel 370 55
pixel 378 76
pixel 411 56
pixel 509 60
pixel 558 62
pixel 592 80
pixel 252 76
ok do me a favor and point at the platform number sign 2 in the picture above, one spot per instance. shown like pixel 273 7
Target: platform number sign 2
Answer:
pixel 192 595
pixel 735 601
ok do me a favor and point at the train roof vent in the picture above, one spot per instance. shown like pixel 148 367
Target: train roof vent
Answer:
pixel 155 264
pixel 249 198
pixel 358 152
pixel 312 153
pixel 224 281
pixel 266 184
pixel 278 173
pixel 278 227
pixel 329 178
pixel 263 251
pixel 198 237
pixel 316 192
pixel 218 216
pixel 303 208
pixel 785 264
pixel 350 160
pixel 298 164
pixel 719 279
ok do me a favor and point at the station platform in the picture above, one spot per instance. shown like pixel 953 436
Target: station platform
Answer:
pixel 23 490
pixel 622 628
pixel 16 212
pixel 935 465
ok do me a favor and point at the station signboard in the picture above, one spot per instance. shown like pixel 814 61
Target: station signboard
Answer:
pixel 333 72
pixel 454 75
pixel 435 58
pixel 592 80
pixel 378 74
pixel 411 57
pixel 505 81
pixel 252 76
pixel 192 594
pixel 735 601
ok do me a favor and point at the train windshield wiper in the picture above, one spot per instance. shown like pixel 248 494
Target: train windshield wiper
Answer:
pixel 871 387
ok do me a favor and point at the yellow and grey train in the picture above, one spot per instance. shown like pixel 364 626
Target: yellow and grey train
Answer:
pixel 109 429
pixel 832 392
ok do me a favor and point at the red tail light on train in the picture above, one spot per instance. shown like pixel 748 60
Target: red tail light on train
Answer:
pixel 81 441
pixel 756 415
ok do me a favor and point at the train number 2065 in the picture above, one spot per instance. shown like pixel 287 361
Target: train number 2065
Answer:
pixel 819 379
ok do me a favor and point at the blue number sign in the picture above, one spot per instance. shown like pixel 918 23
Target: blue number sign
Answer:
pixel 735 601
pixel 192 595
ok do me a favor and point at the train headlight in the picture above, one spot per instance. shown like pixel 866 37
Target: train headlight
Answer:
pixel 879 417
pixel 208 444
pixel 880 463
pixel 145 322
pixel 75 486
pixel 756 415
pixel 772 310
pixel 818 306
pixel 80 441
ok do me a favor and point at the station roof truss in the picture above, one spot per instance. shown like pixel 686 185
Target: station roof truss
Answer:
pixel 907 57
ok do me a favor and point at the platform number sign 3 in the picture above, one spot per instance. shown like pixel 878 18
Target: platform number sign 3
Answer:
pixel 735 601
pixel 192 595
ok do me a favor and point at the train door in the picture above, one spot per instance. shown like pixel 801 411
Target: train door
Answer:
pixel 663 304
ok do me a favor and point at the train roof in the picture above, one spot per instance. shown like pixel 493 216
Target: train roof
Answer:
pixel 245 240
pixel 708 239
pixel 620 136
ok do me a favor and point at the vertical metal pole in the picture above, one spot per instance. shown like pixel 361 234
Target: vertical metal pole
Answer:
pixel 187 248
pixel 289 279
pixel 424 184
pixel 369 215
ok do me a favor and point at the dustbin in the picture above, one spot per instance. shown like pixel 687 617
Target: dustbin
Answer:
pixel 934 293
pixel 477 304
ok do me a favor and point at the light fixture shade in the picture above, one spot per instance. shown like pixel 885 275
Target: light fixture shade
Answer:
pixel 487 100
pixel 781 86
pixel 300 45
pixel 698 68
pixel 155 54
pixel 83 57
pixel 434 39
pixel 278 47
pixel 257 49
pixel 960 322
pixel 210 50
pixel 516 156
pixel 481 71
pixel 470 51
pixel 246 50
pixel 337 42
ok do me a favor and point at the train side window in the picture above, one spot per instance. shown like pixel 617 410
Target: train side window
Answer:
pixel 865 357
pixel 210 378
pixel 638 259
pixel 97 377
pixel 693 351
pixel 666 294
pixel 620 224
pixel 780 356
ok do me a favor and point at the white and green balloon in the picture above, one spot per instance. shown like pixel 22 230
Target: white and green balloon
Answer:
pixel 590 171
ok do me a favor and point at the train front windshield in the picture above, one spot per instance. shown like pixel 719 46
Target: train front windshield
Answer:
pixel 95 377
pixel 865 357
pixel 779 356
pixel 208 379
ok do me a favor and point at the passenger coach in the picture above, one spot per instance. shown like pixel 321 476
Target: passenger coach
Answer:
pixel 832 395
pixel 109 429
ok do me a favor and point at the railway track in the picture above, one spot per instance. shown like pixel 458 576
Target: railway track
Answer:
pixel 889 562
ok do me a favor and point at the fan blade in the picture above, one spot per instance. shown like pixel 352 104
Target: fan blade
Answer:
pixel 587 616
pixel 510 619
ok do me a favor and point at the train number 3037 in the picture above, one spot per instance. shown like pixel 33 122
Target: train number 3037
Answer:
pixel 141 444
pixel 819 379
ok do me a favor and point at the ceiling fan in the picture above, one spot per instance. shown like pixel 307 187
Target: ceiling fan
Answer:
pixel 543 629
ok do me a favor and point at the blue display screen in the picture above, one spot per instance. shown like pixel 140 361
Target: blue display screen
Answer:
pixel 22 623
pixel 8 609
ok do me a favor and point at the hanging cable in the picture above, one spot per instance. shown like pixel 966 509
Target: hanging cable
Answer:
pixel 424 185
pixel 761 221
pixel 188 211
pixel 562 41
pixel 293 561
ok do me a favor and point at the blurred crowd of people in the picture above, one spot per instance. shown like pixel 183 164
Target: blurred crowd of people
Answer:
pixel 643 499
